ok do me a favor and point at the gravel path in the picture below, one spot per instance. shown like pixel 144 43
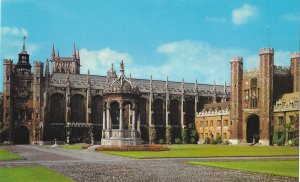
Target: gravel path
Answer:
pixel 87 165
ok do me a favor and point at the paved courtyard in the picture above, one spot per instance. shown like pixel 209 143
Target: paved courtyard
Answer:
pixel 88 165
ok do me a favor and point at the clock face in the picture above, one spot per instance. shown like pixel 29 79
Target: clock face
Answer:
pixel 23 93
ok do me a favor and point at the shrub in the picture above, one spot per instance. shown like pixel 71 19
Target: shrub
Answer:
pixel 292 142
pixel 207 140
pixel 193 140
pixel 85 146
pixel 278 140
pixel 226 142
pixel 133 148
pixel 178 141
pixel 161 141
pixel 168 135
pixel 219 140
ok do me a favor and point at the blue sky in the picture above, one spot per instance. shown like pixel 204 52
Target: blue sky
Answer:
pixel 174 38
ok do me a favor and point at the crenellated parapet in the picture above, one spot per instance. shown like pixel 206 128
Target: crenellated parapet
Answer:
pixel 236 58
pixel 281 70
pixel 266 51
pixel 295 55
pixel 215 112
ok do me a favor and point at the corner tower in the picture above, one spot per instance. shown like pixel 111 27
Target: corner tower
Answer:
pixel 236 78
pixel 266 64
pixel 295 66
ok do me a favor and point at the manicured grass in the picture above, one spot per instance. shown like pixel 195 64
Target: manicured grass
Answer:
pixel 72 147
pixel 281 168
pixel 7 155
pixel 30 174
pixel 194 150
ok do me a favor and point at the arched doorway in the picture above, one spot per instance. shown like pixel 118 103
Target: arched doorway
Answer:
pixel 252 128
pixel 21 135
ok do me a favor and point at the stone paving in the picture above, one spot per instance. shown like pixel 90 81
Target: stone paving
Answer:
pixel 87 165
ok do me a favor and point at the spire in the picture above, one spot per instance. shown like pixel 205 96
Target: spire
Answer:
pixel 53 52
pixel 74 52
pixel 167 83
pixel 130 77
pixel 225 87
pixel 182 85
pixel 122 68
pixel 57 53
pixel 24 37
pixel 196 85
pixel 150 82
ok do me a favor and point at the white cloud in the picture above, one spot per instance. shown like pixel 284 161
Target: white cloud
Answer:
pixel 12 41
pixel 244 14
pixel 215 19
pixel 14 31
pixel 291 17
pixel 182 59
pixel 194 59
pixel 99 61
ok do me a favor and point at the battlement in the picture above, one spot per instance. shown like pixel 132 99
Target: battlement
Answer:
pixel 281 70
pixel 295 55
pixel 236 58
pixel 38 63
pixel 8 61
pixel 266 51
pixel 252 72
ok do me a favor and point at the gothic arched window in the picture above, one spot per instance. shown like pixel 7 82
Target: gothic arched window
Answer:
pixel 57 108
pixel 77 109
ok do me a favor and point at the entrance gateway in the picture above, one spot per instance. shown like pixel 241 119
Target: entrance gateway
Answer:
pixel 253 129
pixel 21 135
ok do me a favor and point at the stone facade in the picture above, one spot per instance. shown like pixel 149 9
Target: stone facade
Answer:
pixel 61 103
pixel 253 94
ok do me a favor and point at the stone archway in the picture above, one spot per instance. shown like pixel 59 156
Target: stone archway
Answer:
pixel 252 130
pixel 21 135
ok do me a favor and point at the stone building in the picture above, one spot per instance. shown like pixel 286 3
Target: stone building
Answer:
pixel 253 111
pixel 61 103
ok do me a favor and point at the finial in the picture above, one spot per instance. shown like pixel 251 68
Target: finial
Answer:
pixel 24 37
pixel 53 52
pixel 57 53
pixel 225 86
pixel 122 68
pixel 214 88
pixel 167 82
pixel 78 56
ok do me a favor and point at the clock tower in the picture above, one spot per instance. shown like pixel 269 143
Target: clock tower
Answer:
pixel 22 99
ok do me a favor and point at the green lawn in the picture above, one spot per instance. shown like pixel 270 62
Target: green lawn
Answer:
pixel 72 147
pixel 281 168
pixel 194 150
pixel 7 155
pixel 30 174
